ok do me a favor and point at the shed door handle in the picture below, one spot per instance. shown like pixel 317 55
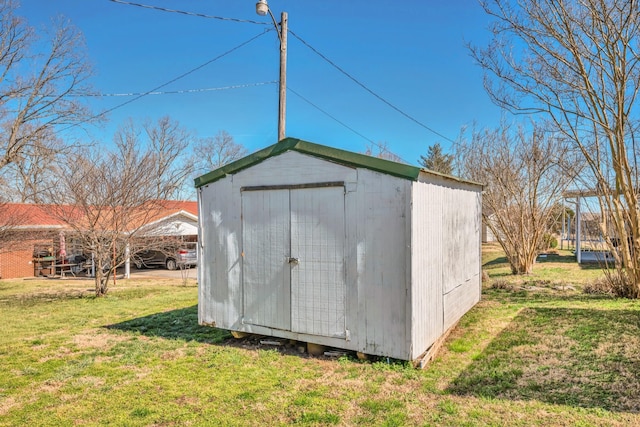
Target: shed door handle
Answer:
pixel 293 260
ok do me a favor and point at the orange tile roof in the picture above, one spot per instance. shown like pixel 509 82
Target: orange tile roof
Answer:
pixel 177 206
pixel 26 215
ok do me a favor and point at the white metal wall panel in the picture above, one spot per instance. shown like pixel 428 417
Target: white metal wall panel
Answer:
pixel 377 226
pixel 452 212
pixel 459 301
pixel 265 246
pixel 427 272
pixel 219 269
pixel 464 259
pixel 292 168
pixel 318 278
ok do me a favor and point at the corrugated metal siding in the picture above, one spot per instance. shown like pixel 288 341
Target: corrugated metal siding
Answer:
pixel 428 275
pixel 446 256
pixel 460 220
pixel 293 168
pixel 377 230
pixel 463 220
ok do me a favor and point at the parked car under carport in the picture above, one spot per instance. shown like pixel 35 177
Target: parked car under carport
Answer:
pixel 170 258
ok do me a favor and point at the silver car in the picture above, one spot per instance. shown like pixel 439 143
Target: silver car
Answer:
pixel 188 255
pixel 185 256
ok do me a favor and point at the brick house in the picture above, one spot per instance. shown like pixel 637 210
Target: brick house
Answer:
pixel 30 234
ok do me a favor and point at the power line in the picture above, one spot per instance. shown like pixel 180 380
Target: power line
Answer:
pixel 369 90
pixel 173 92
pixel 182 12
pixel 381 147
pixel 201 15
pixel 157 88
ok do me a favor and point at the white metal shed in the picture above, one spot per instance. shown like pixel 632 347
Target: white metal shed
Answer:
pixel 316 244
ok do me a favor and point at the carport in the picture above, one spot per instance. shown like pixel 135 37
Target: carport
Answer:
pixel 179 226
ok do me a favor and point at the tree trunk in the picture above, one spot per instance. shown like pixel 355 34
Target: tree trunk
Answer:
pixel 101 280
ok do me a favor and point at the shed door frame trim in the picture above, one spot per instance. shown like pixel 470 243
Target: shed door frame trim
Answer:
pixel 294 186
pixel 295 323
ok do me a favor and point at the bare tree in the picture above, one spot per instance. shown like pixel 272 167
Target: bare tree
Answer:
pixel 577 62
pixel 524 177
pixel 12 232
pixel 167 141
pixel 38 88
pixel 107 198
pixel 214 152
pixel 381 150
pixel 35 169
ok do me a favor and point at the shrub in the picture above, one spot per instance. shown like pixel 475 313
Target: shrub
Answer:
pixel 485 276
pixel 599 286
pixel 617 284
pixel 502 284
pixel 549 241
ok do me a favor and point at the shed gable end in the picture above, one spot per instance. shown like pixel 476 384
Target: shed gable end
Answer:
pixel 335 155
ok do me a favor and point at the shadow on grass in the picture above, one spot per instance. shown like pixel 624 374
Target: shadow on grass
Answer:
pixel 549 258
pixel 182 324
pixel 577 357
pixel 557 258
pixel 35 298
pixel 175 324
pixel 500 261
pixel 525 297
pixel 570 259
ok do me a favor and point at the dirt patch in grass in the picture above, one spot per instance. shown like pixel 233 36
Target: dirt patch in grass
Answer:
pixel 60 353
pixel 98 340
pixel 51 386
pixel 89 381
pixel 6 404
pixel 173 354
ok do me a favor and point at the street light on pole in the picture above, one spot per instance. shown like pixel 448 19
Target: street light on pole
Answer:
pixel 262 8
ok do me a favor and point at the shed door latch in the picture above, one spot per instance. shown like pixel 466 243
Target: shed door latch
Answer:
pixel 293 260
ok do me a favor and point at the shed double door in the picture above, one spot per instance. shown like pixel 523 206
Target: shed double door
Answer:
pixel 294 259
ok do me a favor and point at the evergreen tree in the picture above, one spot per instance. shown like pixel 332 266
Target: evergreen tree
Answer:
pixel 437 161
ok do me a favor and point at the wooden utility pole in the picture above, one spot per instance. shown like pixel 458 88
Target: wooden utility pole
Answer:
pixel 282 103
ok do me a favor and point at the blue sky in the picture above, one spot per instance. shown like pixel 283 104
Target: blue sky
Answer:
pixel 411 53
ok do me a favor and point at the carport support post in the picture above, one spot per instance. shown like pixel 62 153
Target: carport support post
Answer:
pixel 578 227
pixel 93 265
pixel 563 232
pixel 127 262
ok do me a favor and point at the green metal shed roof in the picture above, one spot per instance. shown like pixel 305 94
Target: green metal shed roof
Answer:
pixel 335 155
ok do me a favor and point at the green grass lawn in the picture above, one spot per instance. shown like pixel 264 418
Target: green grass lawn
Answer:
pixel 537 353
